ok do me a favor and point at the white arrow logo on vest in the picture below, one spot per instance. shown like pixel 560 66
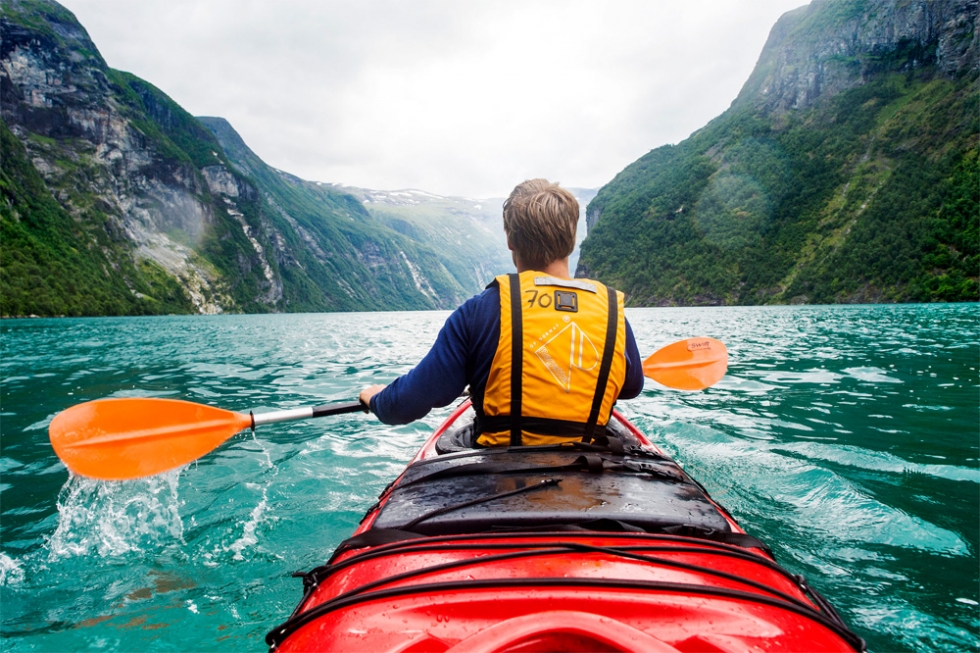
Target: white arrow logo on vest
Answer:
pixel 582 354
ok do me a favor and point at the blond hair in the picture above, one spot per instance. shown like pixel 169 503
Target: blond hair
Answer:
pixel 540 220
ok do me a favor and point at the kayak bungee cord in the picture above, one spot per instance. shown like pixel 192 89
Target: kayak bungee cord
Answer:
pixel 559 548
pixel 313 578
pixel 280 633
pixel 448 542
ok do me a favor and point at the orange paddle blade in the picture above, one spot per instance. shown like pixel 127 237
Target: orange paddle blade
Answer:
pixel 692 364
pixel 119 439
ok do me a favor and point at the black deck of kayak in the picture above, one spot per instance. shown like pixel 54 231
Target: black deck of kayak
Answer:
pixel 617 483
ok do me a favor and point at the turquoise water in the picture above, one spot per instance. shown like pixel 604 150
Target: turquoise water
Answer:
pixel 847 437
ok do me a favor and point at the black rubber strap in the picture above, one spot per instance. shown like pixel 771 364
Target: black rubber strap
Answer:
pixel 339 409
pixel 725 537
pixel 539 425
pixel 586 462
pixel 377 537
pixel 516 360
pixel 607 356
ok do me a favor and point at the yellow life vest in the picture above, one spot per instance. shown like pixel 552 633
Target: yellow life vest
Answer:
pixel 560 361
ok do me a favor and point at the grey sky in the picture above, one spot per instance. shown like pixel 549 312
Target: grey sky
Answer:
pixel 457 98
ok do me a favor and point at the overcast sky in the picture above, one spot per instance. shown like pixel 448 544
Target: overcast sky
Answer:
pixel 452 97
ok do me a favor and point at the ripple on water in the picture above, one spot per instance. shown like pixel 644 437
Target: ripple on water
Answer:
pixel 817 376
pixel 733 382
pixel 870 375
pixel 812 499
pixel 878 461
pixel 915 630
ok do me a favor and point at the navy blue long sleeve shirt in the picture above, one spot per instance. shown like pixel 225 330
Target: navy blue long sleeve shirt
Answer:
pixel 461 356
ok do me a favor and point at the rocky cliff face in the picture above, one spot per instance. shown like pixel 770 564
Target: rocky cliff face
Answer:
pixel 845 171
pixel 144 211
pixel 61 101
pixel 828 46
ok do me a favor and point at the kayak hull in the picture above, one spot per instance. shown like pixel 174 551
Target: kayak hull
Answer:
pixel 452 579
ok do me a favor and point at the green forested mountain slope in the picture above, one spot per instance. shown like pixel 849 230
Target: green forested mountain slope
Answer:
pixel 846 171
pixel 115 201
pixel 94 180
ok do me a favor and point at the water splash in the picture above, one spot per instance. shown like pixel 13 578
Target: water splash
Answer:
pixel 257 516
pixel 112 519
pixel 11 571
pixel 249 537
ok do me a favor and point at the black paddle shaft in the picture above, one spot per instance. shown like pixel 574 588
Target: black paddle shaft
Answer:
pixel 307 413
pixel 339 409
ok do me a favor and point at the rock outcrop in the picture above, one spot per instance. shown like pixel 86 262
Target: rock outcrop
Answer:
pixel 829 46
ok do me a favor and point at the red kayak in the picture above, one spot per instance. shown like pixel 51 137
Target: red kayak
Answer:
pixel 608 546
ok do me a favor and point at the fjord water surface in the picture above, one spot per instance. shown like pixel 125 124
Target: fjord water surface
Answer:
pixel 846 437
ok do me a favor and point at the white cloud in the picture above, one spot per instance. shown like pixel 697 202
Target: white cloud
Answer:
pixel 457 98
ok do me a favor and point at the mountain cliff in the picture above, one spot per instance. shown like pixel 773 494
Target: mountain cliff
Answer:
pixel 407 263
pixel 846 170
pixel 116 201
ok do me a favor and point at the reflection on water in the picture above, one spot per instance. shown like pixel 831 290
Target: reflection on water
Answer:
pixel 846 437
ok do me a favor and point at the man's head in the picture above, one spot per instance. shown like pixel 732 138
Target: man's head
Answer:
pixel 540 219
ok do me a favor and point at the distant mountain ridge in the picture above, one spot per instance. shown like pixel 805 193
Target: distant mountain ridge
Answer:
pixel 440 273
pixel 115 201
pixel 846 170
pixel 472 227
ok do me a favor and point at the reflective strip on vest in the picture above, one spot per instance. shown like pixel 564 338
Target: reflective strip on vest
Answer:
pixel 563 328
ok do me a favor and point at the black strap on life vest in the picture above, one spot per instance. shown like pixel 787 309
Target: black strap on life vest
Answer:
pixel 516 360
pixel 538 425
pixel 607 356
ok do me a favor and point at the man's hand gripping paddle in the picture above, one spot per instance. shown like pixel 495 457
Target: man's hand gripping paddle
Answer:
pixel 120 439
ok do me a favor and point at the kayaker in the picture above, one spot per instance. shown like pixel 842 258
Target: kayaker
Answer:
pixel 568 338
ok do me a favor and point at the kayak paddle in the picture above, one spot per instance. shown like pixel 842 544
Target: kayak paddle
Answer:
pixel 120 439
pixel 692 364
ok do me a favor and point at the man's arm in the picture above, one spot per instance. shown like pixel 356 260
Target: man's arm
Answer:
pixel 633 385
pixel 443 374
pixel 436 381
